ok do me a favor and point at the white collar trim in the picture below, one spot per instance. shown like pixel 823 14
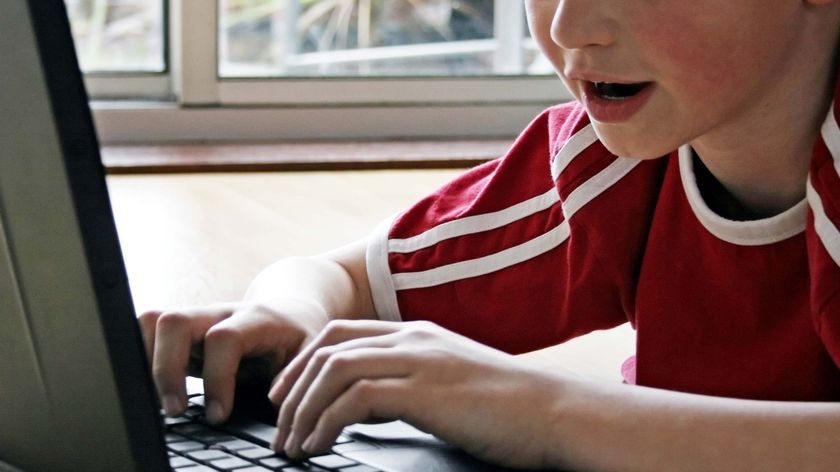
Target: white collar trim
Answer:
pixel 743 233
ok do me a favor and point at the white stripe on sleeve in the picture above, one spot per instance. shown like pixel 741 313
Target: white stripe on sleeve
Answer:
pixel 483 265
pixel 379 274
pixel 831 137
pixel 826 230
pixel 597 184
pixel 476 223
pixel 574 146
pixel 525 251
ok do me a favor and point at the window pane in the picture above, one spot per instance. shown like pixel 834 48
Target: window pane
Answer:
pixel 373 38
pixel 118 35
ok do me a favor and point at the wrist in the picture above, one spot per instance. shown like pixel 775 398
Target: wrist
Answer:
pixel 581 417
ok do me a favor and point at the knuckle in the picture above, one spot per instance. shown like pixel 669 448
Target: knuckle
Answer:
pixel 172 320
pixel 148 317
pixel 422 330
pixel 363 390
pixel 336 327
pixel 221 333
pixel 322 355
pixel 261 309
pixel 338 362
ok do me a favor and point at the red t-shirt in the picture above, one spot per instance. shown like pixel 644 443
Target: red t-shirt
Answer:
pixel 559 238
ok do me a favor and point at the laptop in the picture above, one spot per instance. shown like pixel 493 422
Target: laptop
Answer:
pixel 75 389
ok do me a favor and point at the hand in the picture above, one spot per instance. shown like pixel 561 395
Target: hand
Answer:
pixel 487 402
pixel 213 342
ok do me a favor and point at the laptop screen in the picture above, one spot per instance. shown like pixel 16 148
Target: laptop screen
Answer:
pixel 74 387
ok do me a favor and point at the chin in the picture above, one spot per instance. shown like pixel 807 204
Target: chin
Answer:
pixel 628 146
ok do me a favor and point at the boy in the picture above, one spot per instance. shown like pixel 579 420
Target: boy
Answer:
pixel 702 237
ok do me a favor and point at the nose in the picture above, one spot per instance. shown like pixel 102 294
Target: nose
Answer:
pixel 579 24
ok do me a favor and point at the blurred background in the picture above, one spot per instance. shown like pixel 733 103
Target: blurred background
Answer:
pixel 287 38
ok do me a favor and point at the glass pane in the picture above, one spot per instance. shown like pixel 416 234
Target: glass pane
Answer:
pixel 373 38
pixel 118 35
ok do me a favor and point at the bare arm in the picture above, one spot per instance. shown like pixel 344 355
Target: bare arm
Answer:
pixel 336 281
pixel 603 426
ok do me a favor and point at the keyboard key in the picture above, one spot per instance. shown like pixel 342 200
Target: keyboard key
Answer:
pixel 254 468
pixel 172 437
pixel 259 433
pixel 191 429
pixel 256 453
pixel 275 463
pixel 175 421
pixel 179 461
pixel 213 437
pixel 206 455
pixel 332 461
pixel 235 445
pixel 197 399
pixel 230 464
pixel 185 446
pixel 197 468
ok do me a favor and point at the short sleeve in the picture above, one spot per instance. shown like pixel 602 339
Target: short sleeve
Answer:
pixel 489 255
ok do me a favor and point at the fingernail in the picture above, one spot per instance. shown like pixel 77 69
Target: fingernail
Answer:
pixel 278 442
pixel 171 404
pixel 213 412
pixel 309 444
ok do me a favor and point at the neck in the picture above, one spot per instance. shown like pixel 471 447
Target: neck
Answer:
pixel 760 159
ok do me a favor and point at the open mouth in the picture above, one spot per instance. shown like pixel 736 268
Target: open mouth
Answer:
pixel 613 91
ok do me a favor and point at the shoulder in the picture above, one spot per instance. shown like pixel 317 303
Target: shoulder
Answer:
pixel 524 172
pixel 823 187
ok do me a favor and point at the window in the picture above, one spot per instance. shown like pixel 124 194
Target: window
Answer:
pixel 118 35
pixel 374 38
pixel 121 45
pixel 225 70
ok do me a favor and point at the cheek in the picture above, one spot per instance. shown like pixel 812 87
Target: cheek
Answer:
pixel 692 58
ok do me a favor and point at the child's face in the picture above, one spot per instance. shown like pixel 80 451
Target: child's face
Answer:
pixel 690 68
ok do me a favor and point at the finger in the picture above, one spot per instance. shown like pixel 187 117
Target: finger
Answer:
pixel 335 332
pixel 222 353
pixel 251 341
pixel 175 334
pixel 148 325
pixel 296 378
pixel 339 373
pixel 365 400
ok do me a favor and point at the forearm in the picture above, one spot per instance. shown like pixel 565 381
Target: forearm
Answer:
pixel 602 426
pixel 335 282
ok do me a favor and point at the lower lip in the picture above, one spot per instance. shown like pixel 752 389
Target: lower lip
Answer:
pixel 614 111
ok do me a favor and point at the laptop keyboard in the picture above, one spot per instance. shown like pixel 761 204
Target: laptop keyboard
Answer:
pixel 195 446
